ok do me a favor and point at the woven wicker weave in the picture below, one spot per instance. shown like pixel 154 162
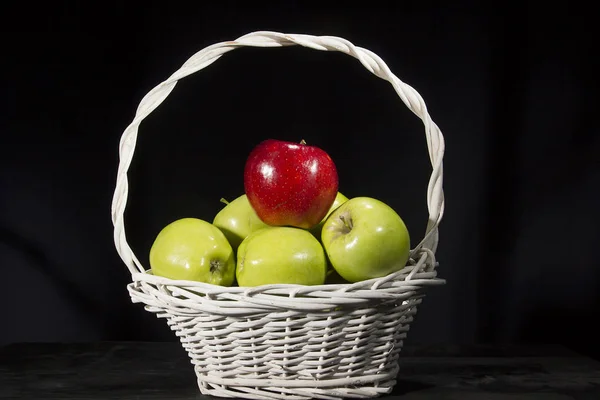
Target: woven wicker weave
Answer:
pixel 289 341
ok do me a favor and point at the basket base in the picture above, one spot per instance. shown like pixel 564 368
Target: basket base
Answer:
pixel 358 391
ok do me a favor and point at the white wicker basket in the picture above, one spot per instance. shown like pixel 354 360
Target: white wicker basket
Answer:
pixel 289 341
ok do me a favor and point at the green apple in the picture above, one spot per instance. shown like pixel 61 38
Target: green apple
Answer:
pixel 237 220
pixel 280 254
pixel 339 200
pixel 195 250
pixel 365 238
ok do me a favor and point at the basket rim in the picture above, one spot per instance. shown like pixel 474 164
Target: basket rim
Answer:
pixel 422 279
pixel 269 39
pixel 419 274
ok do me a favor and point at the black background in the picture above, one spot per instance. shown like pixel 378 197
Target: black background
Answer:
pixel 513 89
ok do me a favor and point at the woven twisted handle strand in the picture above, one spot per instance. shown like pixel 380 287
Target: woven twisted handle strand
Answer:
pixel 205 57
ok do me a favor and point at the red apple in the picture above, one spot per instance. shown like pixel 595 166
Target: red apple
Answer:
pixel 290 184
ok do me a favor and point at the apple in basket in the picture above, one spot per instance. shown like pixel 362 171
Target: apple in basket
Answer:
pixel 290 184
pixel 365 238
pixel 237 220
pixel 281 255
pixel 193 249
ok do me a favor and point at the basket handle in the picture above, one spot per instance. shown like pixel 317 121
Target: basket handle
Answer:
pixel 210 54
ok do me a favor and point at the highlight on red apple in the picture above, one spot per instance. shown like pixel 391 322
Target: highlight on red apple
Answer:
pixel 290 184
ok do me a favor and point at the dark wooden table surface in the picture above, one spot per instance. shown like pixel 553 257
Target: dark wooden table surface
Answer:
pixel 132 370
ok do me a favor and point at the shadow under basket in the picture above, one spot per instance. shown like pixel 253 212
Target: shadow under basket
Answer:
pixel 290 341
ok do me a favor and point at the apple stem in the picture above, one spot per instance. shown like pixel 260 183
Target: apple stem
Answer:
pixel 302 141
pixel 224 201
pixel 347 222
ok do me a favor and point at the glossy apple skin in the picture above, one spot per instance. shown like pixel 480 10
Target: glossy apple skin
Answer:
pixel 364 238
pixel 195 250
pixel 281 255
pixel 290 184
pixel 237 220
